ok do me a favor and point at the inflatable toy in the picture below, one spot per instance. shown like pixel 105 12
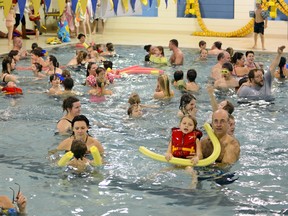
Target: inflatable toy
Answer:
pixel 187 162
pixel 53 41
pixel 12 90
pixel 136 69
pixel 63 32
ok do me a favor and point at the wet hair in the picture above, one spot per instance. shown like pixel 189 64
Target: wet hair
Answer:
pixel 80 35
pixel 147 47
pixel 37 51
pixel 13 53
pixel 34 45
pixel 186 98
pixel 110 47
pixel 134 99
pixel 164 84
pixel 107 64
pixel 229 107
pixel 53 77
pixel 201 43
pixel 248 52
pixel 78 148
pixel 161 49
pixel 66 73
pixel 99 70
pixel 81 56
pixel 228 66
pixel 89 68
pixel 80 118
pixel 68 83
pixel 281 64
pixel 220 56
pixel 230 50
pixel 251 74
pixel 38 66
pixel 218 44
pixel 54 61
pixel 68 103
pixel 192 118
pixel 191 75
pixel 130 109
pixel 178 75
pixel 236 56
pixel 242 80
pixel 5 62
pixel 175 42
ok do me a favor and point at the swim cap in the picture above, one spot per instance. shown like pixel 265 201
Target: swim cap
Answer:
pixel 91 80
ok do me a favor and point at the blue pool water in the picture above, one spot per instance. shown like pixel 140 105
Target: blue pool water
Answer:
pixel 130 183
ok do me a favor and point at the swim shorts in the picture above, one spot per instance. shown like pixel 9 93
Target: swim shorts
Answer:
pixel 259 28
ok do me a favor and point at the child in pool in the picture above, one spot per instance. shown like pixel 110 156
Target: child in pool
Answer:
pixel 135 99
pixel 158 57
pixel 55 88
pixel 36 69
pixel 191 85
pixel 187 105
pixel 163 90
pixel 203 54
pixel 135 111
pixel 185 143
pixel 101 83
pixel 79 163
pixel 178 82
pixel 202 45
pixel 110 51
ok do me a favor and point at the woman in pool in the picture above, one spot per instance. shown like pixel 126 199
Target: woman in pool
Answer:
pixel 187 105
pixel 72 106
pixel 55 85
pixel 8 64
pixel 80 125
pixel 15 55
pixel 250 60
pixel 163 90
pixel 282 72
pixel 91 74
pixel 238 61
pixel 53 66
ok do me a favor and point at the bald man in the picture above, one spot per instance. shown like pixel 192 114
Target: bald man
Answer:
pixel 230 147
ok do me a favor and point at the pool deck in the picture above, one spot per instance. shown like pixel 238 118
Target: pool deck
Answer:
pixel 159 38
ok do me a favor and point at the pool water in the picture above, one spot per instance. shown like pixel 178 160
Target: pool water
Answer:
pixel 130 183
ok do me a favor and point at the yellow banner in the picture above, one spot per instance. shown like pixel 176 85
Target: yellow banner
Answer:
pixel 83 6
pixel 36 6
pixel 7 5
pixel 61 4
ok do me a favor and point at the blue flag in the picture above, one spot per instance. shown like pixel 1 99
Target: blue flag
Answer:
pixel 47 5
pixel 21 5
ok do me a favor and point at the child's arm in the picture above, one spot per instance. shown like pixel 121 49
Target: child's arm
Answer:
pixel 213 101
pixel 168 154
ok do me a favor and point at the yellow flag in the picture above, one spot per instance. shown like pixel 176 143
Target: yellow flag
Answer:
pixel 7 6
pixel 144 2
pixel 61 4
pixel 36 6
pixel 83 5
pixel 125 5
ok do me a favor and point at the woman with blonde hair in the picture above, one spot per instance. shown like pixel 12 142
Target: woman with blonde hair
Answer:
pixel 163 90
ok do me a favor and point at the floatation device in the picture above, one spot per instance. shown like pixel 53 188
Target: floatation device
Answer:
pixel 65 159
pixel 136 69
pixel 10 211
pixel 187 162
pixel 82 45
pixel 97 159
pixel 53 41
pixel 12 90
pixel 190 7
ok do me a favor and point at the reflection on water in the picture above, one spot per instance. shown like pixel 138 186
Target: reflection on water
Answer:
pixel 130 183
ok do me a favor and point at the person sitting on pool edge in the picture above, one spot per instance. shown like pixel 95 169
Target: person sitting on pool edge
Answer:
pixel 80 126
pixel 230 147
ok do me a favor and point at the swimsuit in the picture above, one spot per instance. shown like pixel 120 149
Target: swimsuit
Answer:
pixel 259 28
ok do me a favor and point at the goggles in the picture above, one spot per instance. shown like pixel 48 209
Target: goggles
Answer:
pixel 225 71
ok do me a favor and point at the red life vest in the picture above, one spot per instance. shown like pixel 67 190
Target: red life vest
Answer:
pixel 12 90
pixel 184 145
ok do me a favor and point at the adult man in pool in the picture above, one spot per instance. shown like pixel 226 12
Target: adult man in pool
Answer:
pixel 177 56
pixel 230 147
pixel 259 85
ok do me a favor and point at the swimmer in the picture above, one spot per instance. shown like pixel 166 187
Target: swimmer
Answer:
pixel 282 72
pixel 216 48
pixel 202 45
pixel 238 60
pixel 203 55
pixel 185 143
pixel 230 147
pixel 79 162
pixel 53 66
pixel 36 69
pixel 178 82
pixel 8 64
pixel 158 57
pixel 227 81
pixel 163 90
pixel 55 85
pixel 177 57
pixel 191 85
pixel 8 205
pixel 222 58
pixel 134 111
pixel 80 125
pixel 135 99
pixel 72 106
pixel 187 105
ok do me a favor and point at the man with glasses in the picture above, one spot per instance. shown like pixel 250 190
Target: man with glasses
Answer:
pixel 259 84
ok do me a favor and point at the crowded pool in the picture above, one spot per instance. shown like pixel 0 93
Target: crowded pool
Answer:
pixel 129 182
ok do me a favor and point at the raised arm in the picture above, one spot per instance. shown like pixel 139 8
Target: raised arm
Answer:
pixel 214 104
pixel 276 61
